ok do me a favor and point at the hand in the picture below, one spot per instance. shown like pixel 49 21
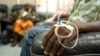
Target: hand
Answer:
pixel 54 17
pixel 51 45
pixel 51 19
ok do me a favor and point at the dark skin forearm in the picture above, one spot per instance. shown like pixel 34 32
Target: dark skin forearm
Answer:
pixel 89 27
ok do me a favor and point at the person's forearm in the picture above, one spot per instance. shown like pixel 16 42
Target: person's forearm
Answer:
pixel 67 10
pixel 89 27
pixel 64 11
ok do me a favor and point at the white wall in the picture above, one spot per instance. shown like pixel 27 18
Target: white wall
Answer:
pixel 45 7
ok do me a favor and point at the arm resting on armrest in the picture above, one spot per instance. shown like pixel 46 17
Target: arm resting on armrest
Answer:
pixel 89 27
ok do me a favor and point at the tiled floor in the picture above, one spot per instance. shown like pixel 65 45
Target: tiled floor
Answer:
pixel 7 50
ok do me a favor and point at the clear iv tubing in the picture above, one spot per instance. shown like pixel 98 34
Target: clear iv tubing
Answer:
pixel 69 36
pixel 60 22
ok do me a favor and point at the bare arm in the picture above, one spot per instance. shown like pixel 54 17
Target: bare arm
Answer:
pixel 89 27
pixel 64 11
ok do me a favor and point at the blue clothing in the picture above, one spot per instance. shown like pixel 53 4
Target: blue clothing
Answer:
pixel 30 35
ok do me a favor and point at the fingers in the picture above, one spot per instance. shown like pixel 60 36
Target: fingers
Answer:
pixel 56 44
pixel 50 44
pixel 46 38
pixel 44 34
pixel 55 48
pixel 61 49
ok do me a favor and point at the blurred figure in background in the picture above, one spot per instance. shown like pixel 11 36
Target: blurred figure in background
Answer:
pixel 22 20
pixel 27 9
pixel 21 26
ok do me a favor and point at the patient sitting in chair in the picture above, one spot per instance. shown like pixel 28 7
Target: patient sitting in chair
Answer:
pixel 21 26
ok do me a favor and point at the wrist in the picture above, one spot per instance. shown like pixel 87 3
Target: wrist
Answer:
pixel 76 26
pixel 79 26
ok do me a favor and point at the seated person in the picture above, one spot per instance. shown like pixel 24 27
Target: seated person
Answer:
pixel 82 13
pixel 21 26
pixel 14 15
pixel 26 9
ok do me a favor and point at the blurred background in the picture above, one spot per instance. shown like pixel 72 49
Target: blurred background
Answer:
pixel 18 16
